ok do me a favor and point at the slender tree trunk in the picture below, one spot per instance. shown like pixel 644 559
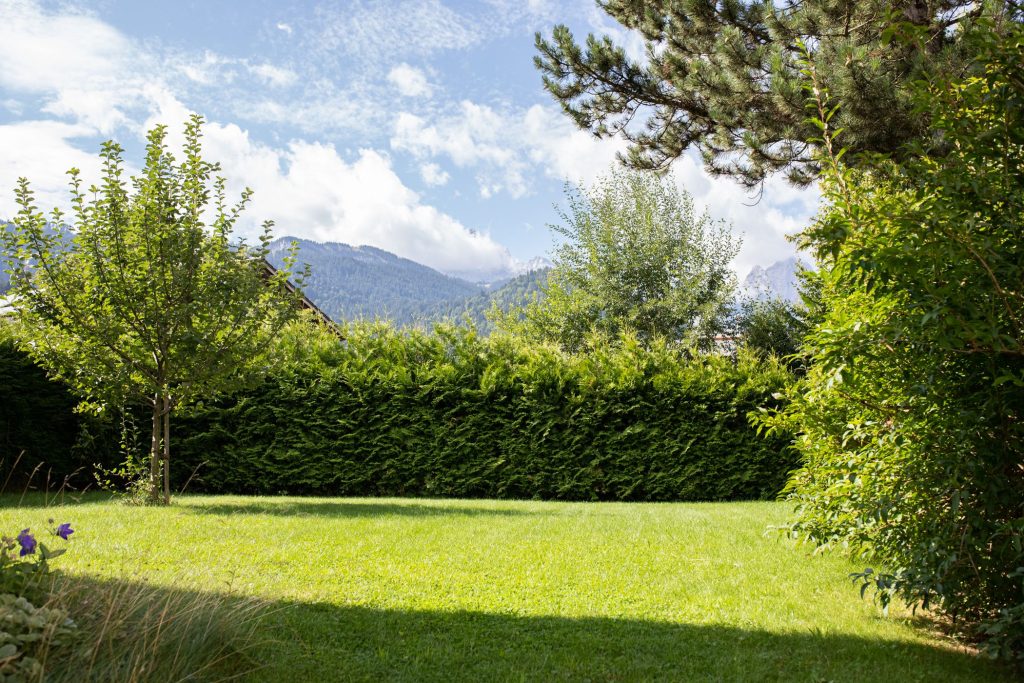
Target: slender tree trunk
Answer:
pixel 167 450
pixel 154 453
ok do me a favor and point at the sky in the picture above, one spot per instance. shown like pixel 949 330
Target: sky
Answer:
pixel 416 126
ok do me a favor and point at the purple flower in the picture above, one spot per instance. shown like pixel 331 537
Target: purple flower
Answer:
pixel 27 542
pixel 65 530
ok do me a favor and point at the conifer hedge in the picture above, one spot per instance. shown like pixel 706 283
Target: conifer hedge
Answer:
pixel 453 415
pixel 42 438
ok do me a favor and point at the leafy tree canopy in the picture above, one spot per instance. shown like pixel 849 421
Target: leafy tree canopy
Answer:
pixel 636 259
pixel 725 78
pixel 144 296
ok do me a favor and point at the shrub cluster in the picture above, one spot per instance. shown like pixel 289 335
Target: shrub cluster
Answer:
pixel 911 420
pixel 450 414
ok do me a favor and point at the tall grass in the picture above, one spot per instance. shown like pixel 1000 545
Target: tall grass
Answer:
pixel 138 632
pixel 127 632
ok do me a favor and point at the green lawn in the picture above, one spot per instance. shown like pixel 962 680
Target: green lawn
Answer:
pixel 399 589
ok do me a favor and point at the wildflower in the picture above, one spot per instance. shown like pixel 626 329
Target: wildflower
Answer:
pixel 27 542
pixel 65 530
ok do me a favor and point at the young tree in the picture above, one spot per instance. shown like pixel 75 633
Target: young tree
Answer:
pixel 725 77
pixel 636 259
pixel 145 296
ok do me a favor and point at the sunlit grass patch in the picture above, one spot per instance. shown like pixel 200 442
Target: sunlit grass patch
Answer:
pixel 401 589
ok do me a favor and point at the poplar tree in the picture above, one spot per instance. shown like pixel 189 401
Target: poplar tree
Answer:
pixel 144 296
pixel 724 77
pixel 636 259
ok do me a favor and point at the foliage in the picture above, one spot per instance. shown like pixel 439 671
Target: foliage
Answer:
pixel 129 632
pixel 725 78
pixel 27 634
pixel 141 300
pixel 637 260
pixel 24 577
pixel 451 414
pixel 910 420
pixel 489 308
pixel 771 327
pixel 40 431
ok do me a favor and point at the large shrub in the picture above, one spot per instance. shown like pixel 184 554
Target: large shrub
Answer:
pixel 911 420
pixel 451 414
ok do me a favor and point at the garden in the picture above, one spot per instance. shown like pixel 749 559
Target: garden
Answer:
pixel 201 481
pixel 311 588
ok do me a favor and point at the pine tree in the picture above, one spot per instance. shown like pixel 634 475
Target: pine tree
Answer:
pixel 724 77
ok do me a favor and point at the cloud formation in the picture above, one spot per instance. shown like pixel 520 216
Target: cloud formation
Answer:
pixel 410 81
pixel 87 75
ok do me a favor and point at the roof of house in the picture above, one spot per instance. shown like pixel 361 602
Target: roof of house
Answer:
pixel 306 303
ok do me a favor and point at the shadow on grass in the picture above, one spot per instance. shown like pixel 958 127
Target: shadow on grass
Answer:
pixel 363 508
pixel 354 643
pixel 39 499
pixel 325 642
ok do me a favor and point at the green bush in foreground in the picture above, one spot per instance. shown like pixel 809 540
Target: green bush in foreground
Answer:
pixel 910 421
pixel 451 414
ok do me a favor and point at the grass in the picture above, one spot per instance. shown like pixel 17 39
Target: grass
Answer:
pixel 420 590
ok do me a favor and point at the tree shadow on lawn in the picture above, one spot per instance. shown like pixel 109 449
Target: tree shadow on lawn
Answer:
pixel 40 499
pixel 326 508
pixel 325 642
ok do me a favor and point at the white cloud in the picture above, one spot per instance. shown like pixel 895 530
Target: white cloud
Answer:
pixel 474 136
pixel 565 152
pixel 43 152
pixel 410 81
pixel 83 68
pixel 286 28
pixel 310 191
pixel 373 32
pixel 502 147
pixel 433 175
pixel 273 75
pixel 88 50
pixel 509 150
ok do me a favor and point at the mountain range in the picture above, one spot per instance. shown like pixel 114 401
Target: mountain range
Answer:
pixel 349 282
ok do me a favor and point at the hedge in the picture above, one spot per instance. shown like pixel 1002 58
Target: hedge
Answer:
pixel 41 436
pixel 390 413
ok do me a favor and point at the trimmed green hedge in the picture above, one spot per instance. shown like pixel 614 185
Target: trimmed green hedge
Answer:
pixel 449 414
pixel 41 435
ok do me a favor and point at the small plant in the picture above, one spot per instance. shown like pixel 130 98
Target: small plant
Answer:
pixel 27 632
pixel 24 562
pixel 130 631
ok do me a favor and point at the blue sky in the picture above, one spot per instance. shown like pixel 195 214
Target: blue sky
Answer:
pixel 418 126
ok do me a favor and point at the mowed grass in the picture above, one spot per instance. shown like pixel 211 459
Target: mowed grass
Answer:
pixel 421 590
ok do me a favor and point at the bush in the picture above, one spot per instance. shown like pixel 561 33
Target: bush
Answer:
pixel 453 415
pixel 911 419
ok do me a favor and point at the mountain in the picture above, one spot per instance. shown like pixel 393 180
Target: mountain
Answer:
pixel 777 280
pixel 515 292
pixel 349 282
